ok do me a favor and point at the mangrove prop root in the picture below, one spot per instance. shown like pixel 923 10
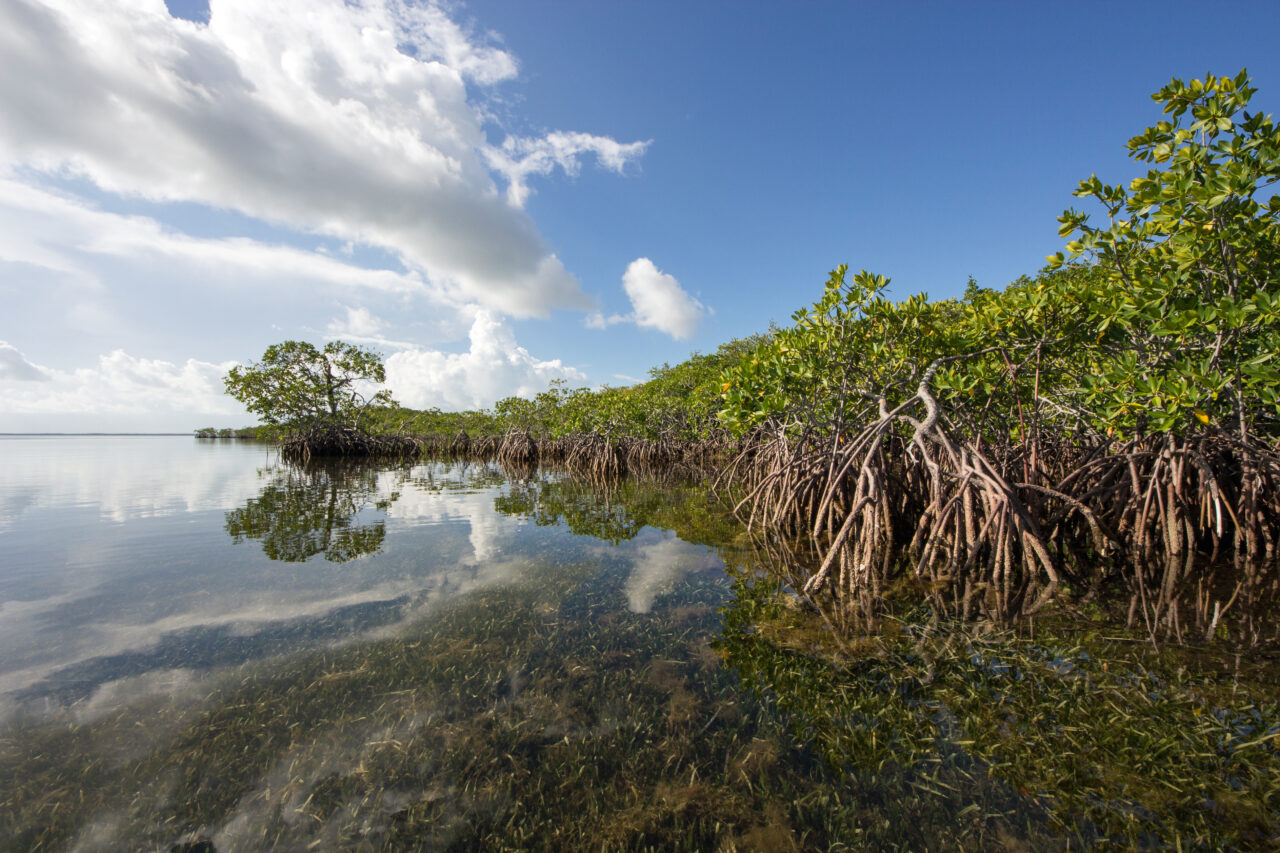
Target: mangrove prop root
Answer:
pixel 341 441
pixel 1186 525
pixel 594 455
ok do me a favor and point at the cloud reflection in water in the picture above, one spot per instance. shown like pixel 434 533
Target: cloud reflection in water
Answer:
pixel 153 599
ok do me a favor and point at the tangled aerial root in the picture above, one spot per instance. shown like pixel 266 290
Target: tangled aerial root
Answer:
pixel 586 455
pixel 343 441
pixel 1187 526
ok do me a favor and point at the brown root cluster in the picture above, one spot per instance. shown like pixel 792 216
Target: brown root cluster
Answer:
pixel 332 441
pixel 587 455
pixel 1185 526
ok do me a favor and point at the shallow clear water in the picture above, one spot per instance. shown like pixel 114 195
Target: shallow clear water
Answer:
pixel 202 646
pixel 145 557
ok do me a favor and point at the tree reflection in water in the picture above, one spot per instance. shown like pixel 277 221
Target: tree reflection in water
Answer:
pixel 315 509
pixel 612 511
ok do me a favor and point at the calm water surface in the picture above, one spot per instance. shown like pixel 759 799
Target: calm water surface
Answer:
pixel 204 649
pixel 150 558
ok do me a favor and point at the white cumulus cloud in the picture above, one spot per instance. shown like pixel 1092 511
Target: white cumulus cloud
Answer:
pixel 357 120
pixel 359 321
pixel 14 366
pixel 494 367
pixel 79 281
pixel 61 234
pixel 122 388
pixel 657 301
pixel 362 326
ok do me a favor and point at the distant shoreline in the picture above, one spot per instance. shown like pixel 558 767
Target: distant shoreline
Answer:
pixel 85 434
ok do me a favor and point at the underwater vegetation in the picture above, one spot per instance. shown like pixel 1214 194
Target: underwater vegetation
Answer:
pixel 542 713
pixel 1121 746
pixel 725 714
pixel 538 716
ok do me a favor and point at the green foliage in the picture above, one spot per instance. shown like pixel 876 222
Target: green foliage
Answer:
pixel 1166 320
pixel 677 402
pixel 1188 320
pixel 557 411
pixel 259 433
pixel 683 400
pixel 853 346
pixel 297 385
pixel 433 421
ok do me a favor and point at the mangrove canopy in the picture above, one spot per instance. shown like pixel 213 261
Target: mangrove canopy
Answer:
pixel 299 386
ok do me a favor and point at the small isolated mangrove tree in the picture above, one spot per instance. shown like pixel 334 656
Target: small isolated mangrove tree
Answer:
pixel 1111 422
pixel 320 397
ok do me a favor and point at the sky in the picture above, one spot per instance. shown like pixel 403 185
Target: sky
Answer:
pixel 495 194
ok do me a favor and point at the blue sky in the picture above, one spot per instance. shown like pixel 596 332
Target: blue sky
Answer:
pixel 497 194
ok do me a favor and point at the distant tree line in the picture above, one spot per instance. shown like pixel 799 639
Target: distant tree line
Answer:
pixel 257 433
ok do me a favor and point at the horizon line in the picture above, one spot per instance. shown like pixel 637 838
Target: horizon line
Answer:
pixel 192 432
